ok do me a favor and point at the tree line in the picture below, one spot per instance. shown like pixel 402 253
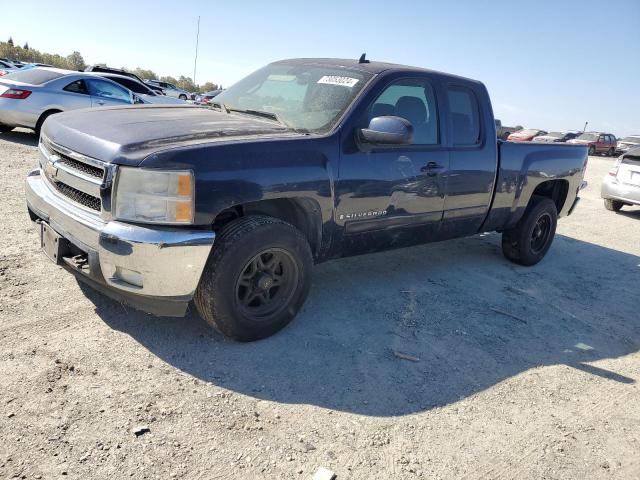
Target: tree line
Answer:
pixel 75 61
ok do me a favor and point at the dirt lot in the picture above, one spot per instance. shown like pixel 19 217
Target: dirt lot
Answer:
pixel 522 372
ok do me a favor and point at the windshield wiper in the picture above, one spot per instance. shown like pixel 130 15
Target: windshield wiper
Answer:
pixel 221 106
pixel 258 113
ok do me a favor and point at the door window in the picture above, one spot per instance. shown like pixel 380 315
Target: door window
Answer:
pixel 100 88
pixel 465 115
pixel 77 87
pixel 413 100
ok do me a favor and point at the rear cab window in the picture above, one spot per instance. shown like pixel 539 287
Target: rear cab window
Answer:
pixel 465 115
pixel 34 76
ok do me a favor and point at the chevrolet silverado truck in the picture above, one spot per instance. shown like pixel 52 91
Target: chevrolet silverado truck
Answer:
pixel 303 161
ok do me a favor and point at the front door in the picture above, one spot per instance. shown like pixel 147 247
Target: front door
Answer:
pixel 394 195
pixel 105 94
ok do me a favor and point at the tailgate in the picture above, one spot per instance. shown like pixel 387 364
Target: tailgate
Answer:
pixel 629 170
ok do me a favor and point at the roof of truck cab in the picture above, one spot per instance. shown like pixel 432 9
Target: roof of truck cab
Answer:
pixel 370 66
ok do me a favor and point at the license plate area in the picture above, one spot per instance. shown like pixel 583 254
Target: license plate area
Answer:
pixel 52 243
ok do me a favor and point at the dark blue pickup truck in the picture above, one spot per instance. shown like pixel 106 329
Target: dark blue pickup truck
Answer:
pixel 302 161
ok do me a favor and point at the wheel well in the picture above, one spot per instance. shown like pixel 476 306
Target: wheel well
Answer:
pixel 44 114
pixel 556 190
pixel 302 213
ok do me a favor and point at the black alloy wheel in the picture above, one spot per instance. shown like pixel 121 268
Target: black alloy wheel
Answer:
pixel 266 284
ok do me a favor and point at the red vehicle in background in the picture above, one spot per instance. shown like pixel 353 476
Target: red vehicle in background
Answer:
pixel 526 135
pixel 598 142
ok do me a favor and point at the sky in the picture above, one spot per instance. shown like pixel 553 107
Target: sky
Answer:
pixel 547 64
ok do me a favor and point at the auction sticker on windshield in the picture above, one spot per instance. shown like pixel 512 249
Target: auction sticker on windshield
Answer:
pixel 336 80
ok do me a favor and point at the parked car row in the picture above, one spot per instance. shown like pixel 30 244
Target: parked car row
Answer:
pixel 596 142
pixel 29 96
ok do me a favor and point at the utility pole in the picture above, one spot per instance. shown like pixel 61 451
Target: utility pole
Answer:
pixel 195 62
pixel 585 126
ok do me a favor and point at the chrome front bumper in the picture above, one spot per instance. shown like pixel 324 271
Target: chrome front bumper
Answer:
pixel 616 190
pixel 166 263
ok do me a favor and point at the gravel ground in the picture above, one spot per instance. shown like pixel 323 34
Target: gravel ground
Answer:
pixel 520 372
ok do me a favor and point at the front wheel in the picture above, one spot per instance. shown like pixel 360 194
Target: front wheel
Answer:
pixel 611 152
pixel 182 97
pixel 530 240
pixel 256 279
pixel 613 205
pixel 592 150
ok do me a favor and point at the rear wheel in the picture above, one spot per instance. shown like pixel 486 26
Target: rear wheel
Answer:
pixel 611 152
pixel 182 97
pixel 530 240
pixel 256 279
pixel 613 205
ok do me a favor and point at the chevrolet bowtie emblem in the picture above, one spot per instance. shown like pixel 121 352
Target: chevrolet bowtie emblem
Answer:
pixel 51 170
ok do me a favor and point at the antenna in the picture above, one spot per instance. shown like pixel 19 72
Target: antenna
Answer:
pixel 363 58
pixel 195 62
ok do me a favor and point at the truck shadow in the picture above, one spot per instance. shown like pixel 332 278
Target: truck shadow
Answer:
pixel 409 330
pixel 22 137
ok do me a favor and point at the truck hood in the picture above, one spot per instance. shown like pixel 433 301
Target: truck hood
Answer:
pixel 127 135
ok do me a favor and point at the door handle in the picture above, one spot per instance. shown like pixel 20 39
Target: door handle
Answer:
pixel 432 169
pixel 100 102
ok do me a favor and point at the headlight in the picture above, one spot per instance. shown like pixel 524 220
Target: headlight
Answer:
pixel 154 196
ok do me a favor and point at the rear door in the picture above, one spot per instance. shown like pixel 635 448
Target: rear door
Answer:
pixel 104 93
pixel 473 159
pixel 601 144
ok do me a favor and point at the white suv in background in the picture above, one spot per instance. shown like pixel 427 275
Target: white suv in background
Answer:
pixel 170 89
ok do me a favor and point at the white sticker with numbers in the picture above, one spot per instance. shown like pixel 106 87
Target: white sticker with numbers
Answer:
pixel 336 80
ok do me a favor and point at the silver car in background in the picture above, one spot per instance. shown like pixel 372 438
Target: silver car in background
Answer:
pixel 627 143
pixel 28 97
pixel 621 186
pixel 144 93
pixel 170 89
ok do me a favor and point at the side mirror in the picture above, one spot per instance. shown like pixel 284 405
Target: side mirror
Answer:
pixel 387 131
pixel 135 99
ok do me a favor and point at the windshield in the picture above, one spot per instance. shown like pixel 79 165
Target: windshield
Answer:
pixel 33 76
pixel 631 140
pixel 555 134
pixel 591 137
pixel 305 97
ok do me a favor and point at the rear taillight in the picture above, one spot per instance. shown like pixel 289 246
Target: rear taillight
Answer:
pixel 3 73
pixel 614 171
pixel 16 93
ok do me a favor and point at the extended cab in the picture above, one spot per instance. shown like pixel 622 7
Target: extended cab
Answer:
pixel 302 161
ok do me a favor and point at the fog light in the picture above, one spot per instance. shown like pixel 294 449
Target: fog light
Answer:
pixel 129 276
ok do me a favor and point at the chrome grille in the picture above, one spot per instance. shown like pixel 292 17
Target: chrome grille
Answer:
pixel 74 176
pixel 90 170
pixel 77 196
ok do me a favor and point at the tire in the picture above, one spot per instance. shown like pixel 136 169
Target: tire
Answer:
pixel 611 152
pixel 182 97
pixel 613 205
pixel 592 150
pixel 41 120
pixel 5 128
pixel 238 293
pixel 530 240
